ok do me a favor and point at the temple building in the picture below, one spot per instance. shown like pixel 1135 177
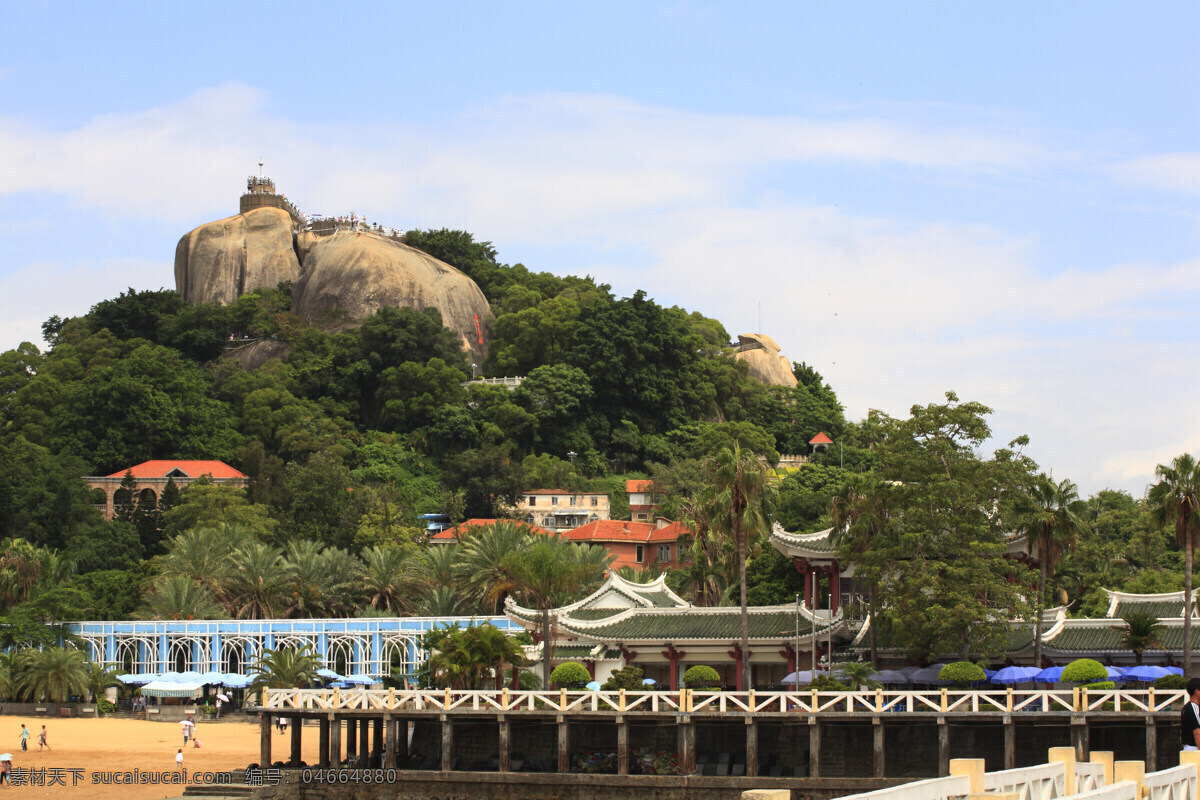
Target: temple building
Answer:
pixel 151 477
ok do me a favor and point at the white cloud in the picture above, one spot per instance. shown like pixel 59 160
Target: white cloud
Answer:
pixel 893 310
pixel 1178 172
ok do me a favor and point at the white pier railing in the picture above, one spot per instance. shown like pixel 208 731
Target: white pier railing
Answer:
pixel 1043 782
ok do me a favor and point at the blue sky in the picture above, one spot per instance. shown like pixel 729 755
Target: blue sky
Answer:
pixel 995 198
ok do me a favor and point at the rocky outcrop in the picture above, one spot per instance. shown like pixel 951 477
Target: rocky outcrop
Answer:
pixel 761 354
pixel 221 261
pixel 354 273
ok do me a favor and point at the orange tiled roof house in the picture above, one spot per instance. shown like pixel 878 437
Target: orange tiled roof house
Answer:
pixel 151 478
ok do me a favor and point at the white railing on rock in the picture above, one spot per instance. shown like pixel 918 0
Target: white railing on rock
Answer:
pixel 1088 776
pixel 1176 783
pixel 1125 790
pixel 953 787
pixel 1042 782
pixel 1137 701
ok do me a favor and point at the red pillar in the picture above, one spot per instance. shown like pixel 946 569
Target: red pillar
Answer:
pixel 516 683
pixel 835 588
pixel 808 588
pixel 673 665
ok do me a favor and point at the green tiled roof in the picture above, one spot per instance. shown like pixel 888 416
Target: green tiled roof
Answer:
pixel 1086 639
pixel 725 624
pixel 657 599
pixel 571 651
pixel 1020 637
pixel 818 544
pixel 594 613
pixel 1155 608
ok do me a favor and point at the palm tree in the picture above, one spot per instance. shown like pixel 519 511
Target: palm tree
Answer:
pixel 180 597
pixel 98 678
pixel 385 577
pixel 548 569
pixel 53 674
pixel 319 582
pixel 860 511
pixel 1142 632
pixel 739 503
pixel 255 588
pixel 285 668
pixel 858 674
pixel 495 648
pixel 205 555
pixel 481 553
pixel 1176 499
pixel 1053 526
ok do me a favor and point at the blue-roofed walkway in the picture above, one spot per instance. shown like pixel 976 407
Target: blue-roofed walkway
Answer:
pixel 371 646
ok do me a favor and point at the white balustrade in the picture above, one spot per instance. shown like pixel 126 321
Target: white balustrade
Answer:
pixel 953 787
pixel 1088 776
pixel 1176 783
pixel 1042 782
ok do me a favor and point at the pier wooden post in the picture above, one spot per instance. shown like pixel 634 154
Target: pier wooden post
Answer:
pixel 1151 744
pixel 879 760
pixel 335 740
pixel 364 742
pixel 397 742
pixel 264 741
pixel 1010 742
pixel 447 744
pixel 564 742
pixel 814 747
pixel 351 742
pixel 622 746
pixel 1079 738
pixel 504 745
pixel 294 756
pixel 376 743
pixel 751 747
pixel 943 747
pixel 687 745
pixel 323 742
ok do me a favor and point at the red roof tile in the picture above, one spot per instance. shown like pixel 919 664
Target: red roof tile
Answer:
pixel 820 438
pixel 638 485
pixel 191 469
pixel 465 525
pixel 616 530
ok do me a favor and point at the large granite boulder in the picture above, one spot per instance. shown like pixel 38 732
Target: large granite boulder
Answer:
pixel 353 274
pixel 221 261
pixel 761 354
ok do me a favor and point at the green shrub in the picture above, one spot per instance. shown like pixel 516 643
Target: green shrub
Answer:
pixel 1171 682
pixel 1099 686
pixel 1084 670
pixel 570 675
pixel 961 673
pixel 701 676
pixel 628 678
pixel 107 706
pixel 824 683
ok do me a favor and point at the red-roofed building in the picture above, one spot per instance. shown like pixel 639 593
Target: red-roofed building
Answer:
pixel 559 510
pixel 452 535
pixel 635 544
pixel 641 500
pixel 151 477
pixel 820 443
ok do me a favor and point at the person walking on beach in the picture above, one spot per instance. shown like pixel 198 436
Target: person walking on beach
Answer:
pixel 24 737
pixel 42 740
pixel 179 759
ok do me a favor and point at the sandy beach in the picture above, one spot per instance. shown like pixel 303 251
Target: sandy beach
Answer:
pixel 86 746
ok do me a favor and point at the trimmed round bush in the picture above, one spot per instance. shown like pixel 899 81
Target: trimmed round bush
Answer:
pixel 570 675
pixel 1099 685
pixel 700 675
pixel 628 678
pixel 1171 682
pixel 1084 670
pixel 961 673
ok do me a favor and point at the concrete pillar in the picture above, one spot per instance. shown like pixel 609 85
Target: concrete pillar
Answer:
pixel 297 727
pixel 364 742
pixel 323 742
pixel 879 760
pixel 943 746
pixel 1010 742
pixel 973 768
pixel 687 745
pixel 1190 757
pixel 1104 758
pixel 564 742
pixel 376 743
pixel 1131 771
pixel 264 741
pixel 335 740
pixel 504 745
pixel 1066 756
pixel 751 747
pixel 447 744
pixel 1152 743
pixel 814 747
pixel 622 746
